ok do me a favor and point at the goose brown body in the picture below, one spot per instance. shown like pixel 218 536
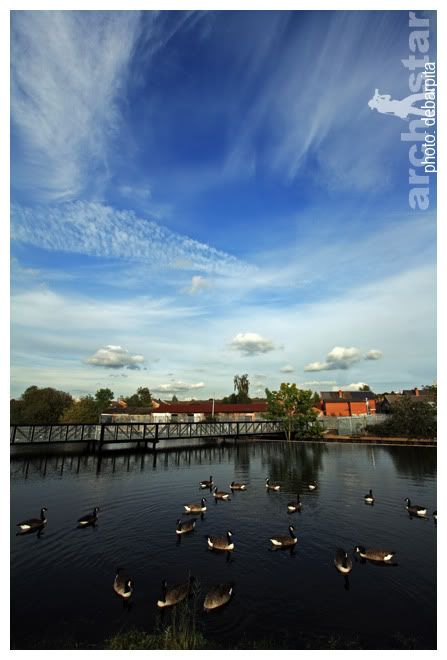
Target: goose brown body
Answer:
pixel 284 541
pixel 122 584
pixel 415 509
pixel 196 508
pixel 175 594
pixel 89 519
pixel 220 494
pixel 206 483
pixel 185 526
pixel 342 562
pixel 375 554
pixel 34 523
pixel 218 596
pixel 294 506
pixel 270 486
pixel 236 486
pixel 221 542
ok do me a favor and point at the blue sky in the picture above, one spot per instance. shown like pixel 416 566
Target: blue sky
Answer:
pixel 200 194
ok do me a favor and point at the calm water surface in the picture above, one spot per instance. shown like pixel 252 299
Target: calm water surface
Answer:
pixel 61 581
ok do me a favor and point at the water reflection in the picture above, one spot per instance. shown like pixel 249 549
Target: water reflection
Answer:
pixel 413 463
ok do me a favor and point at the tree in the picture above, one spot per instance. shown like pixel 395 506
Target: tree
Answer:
pixel 39 406
pixel 408 419
pixel 104 397
pixel 316 399
pixel 142 398
pixel 174 399
pixel 364 388
pixel 84 411
pixel 294 408
pixel 241 386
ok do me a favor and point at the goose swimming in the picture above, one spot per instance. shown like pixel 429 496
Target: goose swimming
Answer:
pixel 415 510
pixel 294 506
pixel 218 596
pixel 89 519
pixel 369 498
pixel 174 594
pixel 221 542
pixel 342 562
pixel 375 554
pixel 207 483
pixel 237 486
pixel 183 527
pixel 122 584
pixel 34 523
pixel 285 541
pixel 270 486
pixel 196 508
pixel 220 494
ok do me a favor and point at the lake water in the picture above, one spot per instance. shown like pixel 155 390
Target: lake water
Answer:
pixel 61 581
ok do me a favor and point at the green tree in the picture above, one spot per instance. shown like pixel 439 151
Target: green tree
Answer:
pixel 142 398
pixel 39 406
pixel 174 399
pixel 364 388
pixel 103 397
pixel 84 411
pixel 241 386
pixel 408 419
pixel 316 399
pixel 294 408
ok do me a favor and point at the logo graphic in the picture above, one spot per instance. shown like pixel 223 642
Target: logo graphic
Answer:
pixel 386 105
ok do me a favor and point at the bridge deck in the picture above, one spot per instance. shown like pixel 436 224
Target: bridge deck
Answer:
pixel 146 433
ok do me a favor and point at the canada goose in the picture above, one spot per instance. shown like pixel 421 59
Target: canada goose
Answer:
pixel 415 510
pixel 374 554
pixel 342 562
pixel 122 585
pixel 220 494
pixel 236 486
pixel 294 506
pixel 89 519
pixel 312 485
pixel 369 499
pixel 284 541
pixel 221 542
pixel 270 486
pixel 34 523
pixel 196 508
pixel 207 483
pixel 435 515
pixel 175 594
pixel 183 527
pixel 218 596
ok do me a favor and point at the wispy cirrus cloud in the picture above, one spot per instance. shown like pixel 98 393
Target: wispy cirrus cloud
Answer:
pixel 96 229
pixel 287 369
pixel 178 386
pixel 68 75
pixel 115 357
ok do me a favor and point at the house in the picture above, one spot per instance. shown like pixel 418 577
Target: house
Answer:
pixel 385 405
pixel 346 404
pixel 188 411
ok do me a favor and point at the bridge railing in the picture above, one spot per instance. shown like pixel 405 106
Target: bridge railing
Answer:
pixel 148 432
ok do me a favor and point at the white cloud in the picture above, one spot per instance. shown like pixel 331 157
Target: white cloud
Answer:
pixel 178 386
pixel 320 382
pixel 95 229
pixel 250 343
pixel 338 358
pixel 115 357
pixel 287 369
pixel 353 387
pixel 198 283
pixel 373 354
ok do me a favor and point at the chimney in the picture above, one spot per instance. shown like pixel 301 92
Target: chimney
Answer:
pixel 340 394
pixel 416 391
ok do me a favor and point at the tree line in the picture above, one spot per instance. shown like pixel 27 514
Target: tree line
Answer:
pixel 46 405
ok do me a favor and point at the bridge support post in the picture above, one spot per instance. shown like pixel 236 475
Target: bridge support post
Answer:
pixel 155 442
pixel 101 437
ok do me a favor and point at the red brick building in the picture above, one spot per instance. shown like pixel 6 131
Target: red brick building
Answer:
pixel 346 404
